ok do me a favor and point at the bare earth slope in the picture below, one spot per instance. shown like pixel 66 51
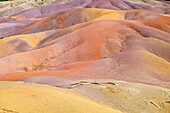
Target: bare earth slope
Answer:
pixel 87 47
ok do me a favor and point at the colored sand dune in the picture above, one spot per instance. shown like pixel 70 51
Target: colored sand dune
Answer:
pixel 43 99
pixel 85 48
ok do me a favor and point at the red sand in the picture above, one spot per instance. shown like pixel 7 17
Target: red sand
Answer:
pixel 87 43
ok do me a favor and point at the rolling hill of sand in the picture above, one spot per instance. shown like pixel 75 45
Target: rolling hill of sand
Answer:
pixel 98 56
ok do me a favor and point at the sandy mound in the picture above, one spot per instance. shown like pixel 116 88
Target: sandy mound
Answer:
pixel 69 43
pixel 43 99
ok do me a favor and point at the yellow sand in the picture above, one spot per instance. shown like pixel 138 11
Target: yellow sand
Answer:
pixel 31 98
pixel 105 14
pixel 156 63
pixel 32 39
